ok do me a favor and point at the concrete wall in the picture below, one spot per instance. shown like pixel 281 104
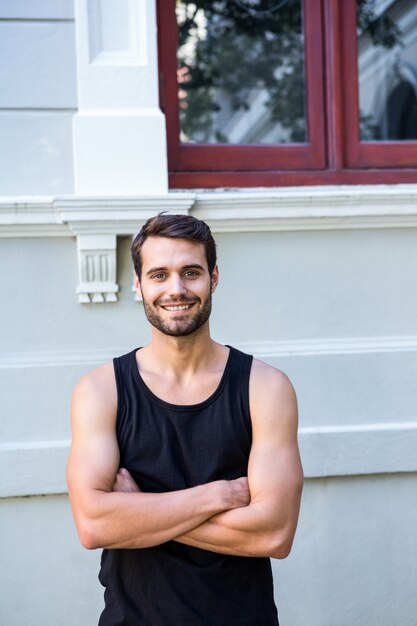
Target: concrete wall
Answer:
pixel 320 283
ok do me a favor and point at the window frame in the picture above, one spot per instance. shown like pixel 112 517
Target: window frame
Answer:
pixel 381 154
pixel 335 153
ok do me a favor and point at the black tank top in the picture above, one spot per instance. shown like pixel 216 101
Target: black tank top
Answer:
pixel 168 447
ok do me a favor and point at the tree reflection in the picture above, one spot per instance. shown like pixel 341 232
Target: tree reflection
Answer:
pixel 240 53
pixel 231 50
pixel 398 118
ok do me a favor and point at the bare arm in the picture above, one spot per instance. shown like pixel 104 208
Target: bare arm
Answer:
pixel 105 518
pixel 267 526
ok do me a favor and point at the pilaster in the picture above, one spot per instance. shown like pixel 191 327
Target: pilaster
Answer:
pixel 119 130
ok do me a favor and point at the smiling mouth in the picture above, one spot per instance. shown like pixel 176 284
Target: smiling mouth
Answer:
pixel 178 307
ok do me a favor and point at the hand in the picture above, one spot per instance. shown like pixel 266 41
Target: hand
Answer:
pixel 236 493
pixel 125 482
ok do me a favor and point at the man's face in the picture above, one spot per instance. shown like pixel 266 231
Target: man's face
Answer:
pixel 175 285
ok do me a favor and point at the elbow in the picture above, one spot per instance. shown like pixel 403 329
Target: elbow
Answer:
pixel 88 535
pixel 280 546
pixel 280 551
pixel 89 542
pixel 273 545
pixel 91 525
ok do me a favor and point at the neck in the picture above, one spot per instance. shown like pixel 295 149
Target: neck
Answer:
pixel 183 354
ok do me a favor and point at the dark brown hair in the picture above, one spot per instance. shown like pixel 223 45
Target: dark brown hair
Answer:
pixel 176 227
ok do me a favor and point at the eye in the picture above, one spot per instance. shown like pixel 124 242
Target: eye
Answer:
pixel 158 276
pixel 191 273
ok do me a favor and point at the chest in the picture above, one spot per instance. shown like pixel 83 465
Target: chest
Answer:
pixel 192 391
pixel 168 449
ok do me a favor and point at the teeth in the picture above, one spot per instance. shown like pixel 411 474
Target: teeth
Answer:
pixel 181 307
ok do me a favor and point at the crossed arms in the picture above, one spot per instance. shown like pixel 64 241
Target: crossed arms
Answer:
pixel 253 516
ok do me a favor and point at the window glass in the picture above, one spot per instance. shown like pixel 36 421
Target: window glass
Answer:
pixel 387 63
pixel 241 72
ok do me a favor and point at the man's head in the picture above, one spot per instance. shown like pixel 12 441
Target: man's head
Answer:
pixel 175 227
pixel 176 273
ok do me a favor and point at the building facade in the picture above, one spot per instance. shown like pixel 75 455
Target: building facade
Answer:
pixel 318 277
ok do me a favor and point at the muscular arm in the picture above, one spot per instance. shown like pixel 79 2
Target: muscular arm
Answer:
pixel 267 526
pixel 106 518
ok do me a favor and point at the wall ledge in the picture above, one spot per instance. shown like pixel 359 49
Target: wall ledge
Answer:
pixel 260 349
pixel 283 209
pixel 326 451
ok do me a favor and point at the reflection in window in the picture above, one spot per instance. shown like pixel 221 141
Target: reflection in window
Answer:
pixel 387 61
pixel 241 71
pixel 400 115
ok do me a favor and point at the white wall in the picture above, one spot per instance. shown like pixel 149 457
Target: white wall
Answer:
pixel 354 558
pixel 37 97
pixel 319 282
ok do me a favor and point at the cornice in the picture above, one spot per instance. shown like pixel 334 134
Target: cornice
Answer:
pixel 118 215
pixel 69 215
pixel 284 209
pixel 309 208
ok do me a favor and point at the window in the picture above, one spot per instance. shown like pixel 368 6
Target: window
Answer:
pixel 288 92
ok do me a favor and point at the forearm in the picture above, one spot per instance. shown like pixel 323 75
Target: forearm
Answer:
pixel 247 531
pixel 139 520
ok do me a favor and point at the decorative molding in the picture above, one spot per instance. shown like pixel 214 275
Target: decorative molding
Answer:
pixel 97 268
pixel 347 450
pixel 118 215
pixel 260 349
pixel 309 208
pixel 255 210
pixel 36 216
pixel 27 231
pixel 285 209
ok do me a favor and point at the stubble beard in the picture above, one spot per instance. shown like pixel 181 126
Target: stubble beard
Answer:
pixel 181 326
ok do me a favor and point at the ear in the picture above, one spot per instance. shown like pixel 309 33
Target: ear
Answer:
pixel 214 279
pixel 136 283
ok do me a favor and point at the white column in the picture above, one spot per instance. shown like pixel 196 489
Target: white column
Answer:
pixel 119 130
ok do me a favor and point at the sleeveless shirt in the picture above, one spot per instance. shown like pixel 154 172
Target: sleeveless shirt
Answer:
pixel 168 447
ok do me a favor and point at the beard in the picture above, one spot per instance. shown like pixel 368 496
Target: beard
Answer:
pixel 183 325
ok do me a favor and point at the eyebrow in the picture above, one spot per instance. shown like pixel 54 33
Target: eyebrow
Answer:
pixel 193 266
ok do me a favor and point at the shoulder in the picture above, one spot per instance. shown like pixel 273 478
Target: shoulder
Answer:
pixel 96 391
pixel 272 397
pixel 266 378
pixel 98 381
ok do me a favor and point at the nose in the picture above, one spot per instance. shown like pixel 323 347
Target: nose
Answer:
pixel 176 286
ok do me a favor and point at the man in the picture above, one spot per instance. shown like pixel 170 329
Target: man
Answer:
pixel 184 464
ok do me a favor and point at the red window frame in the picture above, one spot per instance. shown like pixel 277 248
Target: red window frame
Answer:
pixel 334 153
pixel 381 154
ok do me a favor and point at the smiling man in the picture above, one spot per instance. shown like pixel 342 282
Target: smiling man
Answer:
pixel 184 465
